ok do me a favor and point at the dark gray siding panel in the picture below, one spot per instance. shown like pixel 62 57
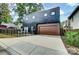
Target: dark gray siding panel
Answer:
pixel 40 18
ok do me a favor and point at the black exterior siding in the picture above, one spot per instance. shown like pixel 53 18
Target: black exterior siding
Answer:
pixel 40 18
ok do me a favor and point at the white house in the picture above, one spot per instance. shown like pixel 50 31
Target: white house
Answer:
pixel 74 19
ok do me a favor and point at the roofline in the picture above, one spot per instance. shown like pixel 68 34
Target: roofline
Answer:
pixel 44 10
pixel 72 14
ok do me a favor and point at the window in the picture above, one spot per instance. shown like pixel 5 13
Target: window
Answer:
pixel 52 13
pixel 45 14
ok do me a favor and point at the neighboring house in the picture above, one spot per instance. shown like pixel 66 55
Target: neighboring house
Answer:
pixel 43 22
pixel 9 25
pixel 74 19
pixel 3 27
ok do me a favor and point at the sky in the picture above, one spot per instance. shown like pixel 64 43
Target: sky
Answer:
pixel 65 9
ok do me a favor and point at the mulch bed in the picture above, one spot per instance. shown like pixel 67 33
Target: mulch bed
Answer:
pixel 72 50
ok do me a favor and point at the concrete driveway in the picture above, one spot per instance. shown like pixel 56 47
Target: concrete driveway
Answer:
pixel 34 45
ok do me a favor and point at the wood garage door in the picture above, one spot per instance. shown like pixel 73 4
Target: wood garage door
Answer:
pixel 49 29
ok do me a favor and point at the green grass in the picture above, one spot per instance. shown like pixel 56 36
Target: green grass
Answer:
pixel 6 36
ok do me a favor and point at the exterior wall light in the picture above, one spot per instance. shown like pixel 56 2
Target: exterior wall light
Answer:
pixel 33 17
pixel 45 14
pixel 26 18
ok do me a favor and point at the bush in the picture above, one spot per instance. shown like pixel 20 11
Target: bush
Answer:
pixel 72 38
pixel 76 40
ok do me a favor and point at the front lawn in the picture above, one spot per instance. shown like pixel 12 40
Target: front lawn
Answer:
pixel 6 36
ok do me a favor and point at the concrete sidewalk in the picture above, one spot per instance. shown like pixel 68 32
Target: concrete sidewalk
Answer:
pixel 35 45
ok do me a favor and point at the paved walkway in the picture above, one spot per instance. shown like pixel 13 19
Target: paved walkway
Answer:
pixel 34 45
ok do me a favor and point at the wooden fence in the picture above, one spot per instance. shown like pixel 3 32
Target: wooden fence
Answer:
pixel 14 32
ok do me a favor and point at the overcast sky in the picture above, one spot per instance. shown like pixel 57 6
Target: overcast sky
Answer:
pixel 65 9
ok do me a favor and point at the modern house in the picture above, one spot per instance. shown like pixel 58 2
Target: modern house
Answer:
pixel 43 22
pixel 74 19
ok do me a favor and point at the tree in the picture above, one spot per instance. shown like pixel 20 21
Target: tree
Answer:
pixel 33 7
pixel 24 9
pixel 5 13
pixel 20 10
pixel 27 8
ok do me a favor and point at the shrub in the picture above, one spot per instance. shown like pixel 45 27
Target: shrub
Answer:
pixel 72 38
pixel 76 40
